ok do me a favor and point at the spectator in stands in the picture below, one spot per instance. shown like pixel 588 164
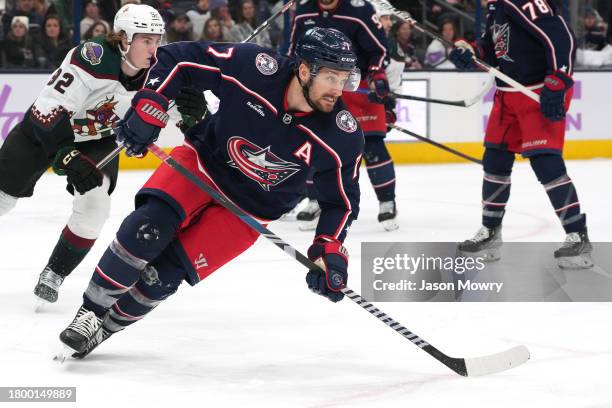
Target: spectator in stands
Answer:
pixel 63 9
pixel 220 11
pixel 92 15
pixel 401 45
pixel 595 30
pixel 198 15
pixel 17 45
pixel 53 44
pixel 436 55
pixel 98 29
pixel 23 8
pixel 40 8
pixel 179 29
pixel 212 31
pixel 247 22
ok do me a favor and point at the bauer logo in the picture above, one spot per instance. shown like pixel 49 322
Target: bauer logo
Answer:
pixel 346 121
pixel 266 64
pixel 92 53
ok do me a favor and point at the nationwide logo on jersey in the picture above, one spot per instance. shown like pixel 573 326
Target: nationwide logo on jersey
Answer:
pixel 92 52
pixel 259 164
pixel 266 64
pixel 501 38
pixel 346 121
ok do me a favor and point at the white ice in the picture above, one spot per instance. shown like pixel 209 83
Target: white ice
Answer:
pixel 252 335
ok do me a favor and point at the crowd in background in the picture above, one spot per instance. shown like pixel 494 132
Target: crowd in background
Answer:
pixel 38 33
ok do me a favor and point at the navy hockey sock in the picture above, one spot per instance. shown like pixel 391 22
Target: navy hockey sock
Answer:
pixel 143 235
pixel 380 168
pixel 68 253
pixel 551 172
pixel 495 185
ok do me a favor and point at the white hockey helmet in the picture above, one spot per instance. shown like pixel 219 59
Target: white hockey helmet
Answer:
pixel 382 8
pixel 138 19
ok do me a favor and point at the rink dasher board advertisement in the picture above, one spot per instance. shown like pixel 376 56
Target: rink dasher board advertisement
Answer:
pixel 587 117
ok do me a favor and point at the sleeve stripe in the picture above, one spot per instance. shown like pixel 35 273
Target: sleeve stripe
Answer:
pixel 364 25
pixel 292 38
pixel 331 151
pixel 539 30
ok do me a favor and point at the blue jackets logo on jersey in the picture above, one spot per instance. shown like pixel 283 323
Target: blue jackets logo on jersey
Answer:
pixel 346 121
pixel 259 164
pixel 501 38
pixel 266 64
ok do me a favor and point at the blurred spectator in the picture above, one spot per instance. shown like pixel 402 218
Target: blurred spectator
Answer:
pixel 98 29
pixel 17 45
pixel 436 55
pixel 53 44
pixel 247 22
pixel 40 8
pixel 212 31
pixel 92 14
pixel 22 8
pixel 198 15
pixel 220 11
pixel 595 30
pixel 63 9
pixel 401 45
pixel 179 29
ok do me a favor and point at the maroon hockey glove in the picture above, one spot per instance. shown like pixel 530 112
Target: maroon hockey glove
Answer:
pixel 143 121
pixel 379 85
pixel 80 170
pixel 332 257
pixel 552 98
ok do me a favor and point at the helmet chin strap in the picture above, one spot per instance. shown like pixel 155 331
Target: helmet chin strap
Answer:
pixel 125 58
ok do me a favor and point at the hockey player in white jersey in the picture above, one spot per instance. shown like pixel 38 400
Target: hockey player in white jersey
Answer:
pixel 69 127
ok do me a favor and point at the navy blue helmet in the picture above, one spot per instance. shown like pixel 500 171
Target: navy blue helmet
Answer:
pixel 326 47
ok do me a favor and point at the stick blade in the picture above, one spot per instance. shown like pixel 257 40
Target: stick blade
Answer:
pixel 495 363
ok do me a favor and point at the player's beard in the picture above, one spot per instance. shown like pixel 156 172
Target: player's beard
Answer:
pixel 326 102
pixel 326 2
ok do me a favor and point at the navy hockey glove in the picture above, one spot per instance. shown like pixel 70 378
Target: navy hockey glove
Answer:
pixel 80 170
pixel 379 85
pixel 332 257
pixel 463 56
pixel 191 104
pixel 552 97
pixel 143 121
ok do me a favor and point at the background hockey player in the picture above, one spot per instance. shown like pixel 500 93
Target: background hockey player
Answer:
pixel 531 43
pixel 291 122
pixel 70 127
pixel 357 19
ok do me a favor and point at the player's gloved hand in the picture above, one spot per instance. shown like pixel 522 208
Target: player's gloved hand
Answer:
pixel 80 170
pixel 332 257
pixel 143 121
pixel 462 56
pixel 390 115
pixel 191 104
pixel 379 85
pixel 552 97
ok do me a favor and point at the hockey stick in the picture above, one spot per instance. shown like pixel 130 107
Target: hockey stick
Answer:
pixel 265 24
pixel 483 65
pixel 433 142
pixel 475 366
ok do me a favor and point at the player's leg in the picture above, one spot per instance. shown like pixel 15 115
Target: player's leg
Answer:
pixel 89 213
pixel 382 177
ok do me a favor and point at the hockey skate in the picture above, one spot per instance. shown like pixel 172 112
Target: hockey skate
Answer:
pixel 292 215
pixel 485 244
pixel 309 216
pixel 79 333
pixel 101 335
pixel 575 252
pixel 387 215
pixel 47 287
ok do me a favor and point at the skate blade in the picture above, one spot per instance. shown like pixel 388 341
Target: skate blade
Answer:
pixel 487 254
pixel 308 225
pixel 583 261
pixel 63 355
pixel 390 225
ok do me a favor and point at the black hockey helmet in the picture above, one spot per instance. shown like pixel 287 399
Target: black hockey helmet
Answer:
pixel 326 47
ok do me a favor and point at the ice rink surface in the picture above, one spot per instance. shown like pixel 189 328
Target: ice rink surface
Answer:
pixel 252 335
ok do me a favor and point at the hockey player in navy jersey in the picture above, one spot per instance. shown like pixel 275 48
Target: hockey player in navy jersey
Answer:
pixel 358 20
pixel 278 120
pixel 531 43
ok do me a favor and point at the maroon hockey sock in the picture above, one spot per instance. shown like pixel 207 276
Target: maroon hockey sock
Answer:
pixel 68 253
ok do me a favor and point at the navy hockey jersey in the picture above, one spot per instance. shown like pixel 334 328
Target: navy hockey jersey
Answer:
pixel 257 152
pixel 527 39
pixel 357 19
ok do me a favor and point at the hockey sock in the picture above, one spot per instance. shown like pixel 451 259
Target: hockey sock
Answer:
pixel 143 235
pixel 68 253
pixel 551 172
pixel 495 186
pixel 380 168
pixel 162 279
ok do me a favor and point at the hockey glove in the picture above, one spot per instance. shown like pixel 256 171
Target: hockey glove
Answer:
pixel 143 121
pixel 332 257
pixel 379 85
pixel 80 170
pixel 463 56
pixel 390 114
pixel 191 104
pixel 552 97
